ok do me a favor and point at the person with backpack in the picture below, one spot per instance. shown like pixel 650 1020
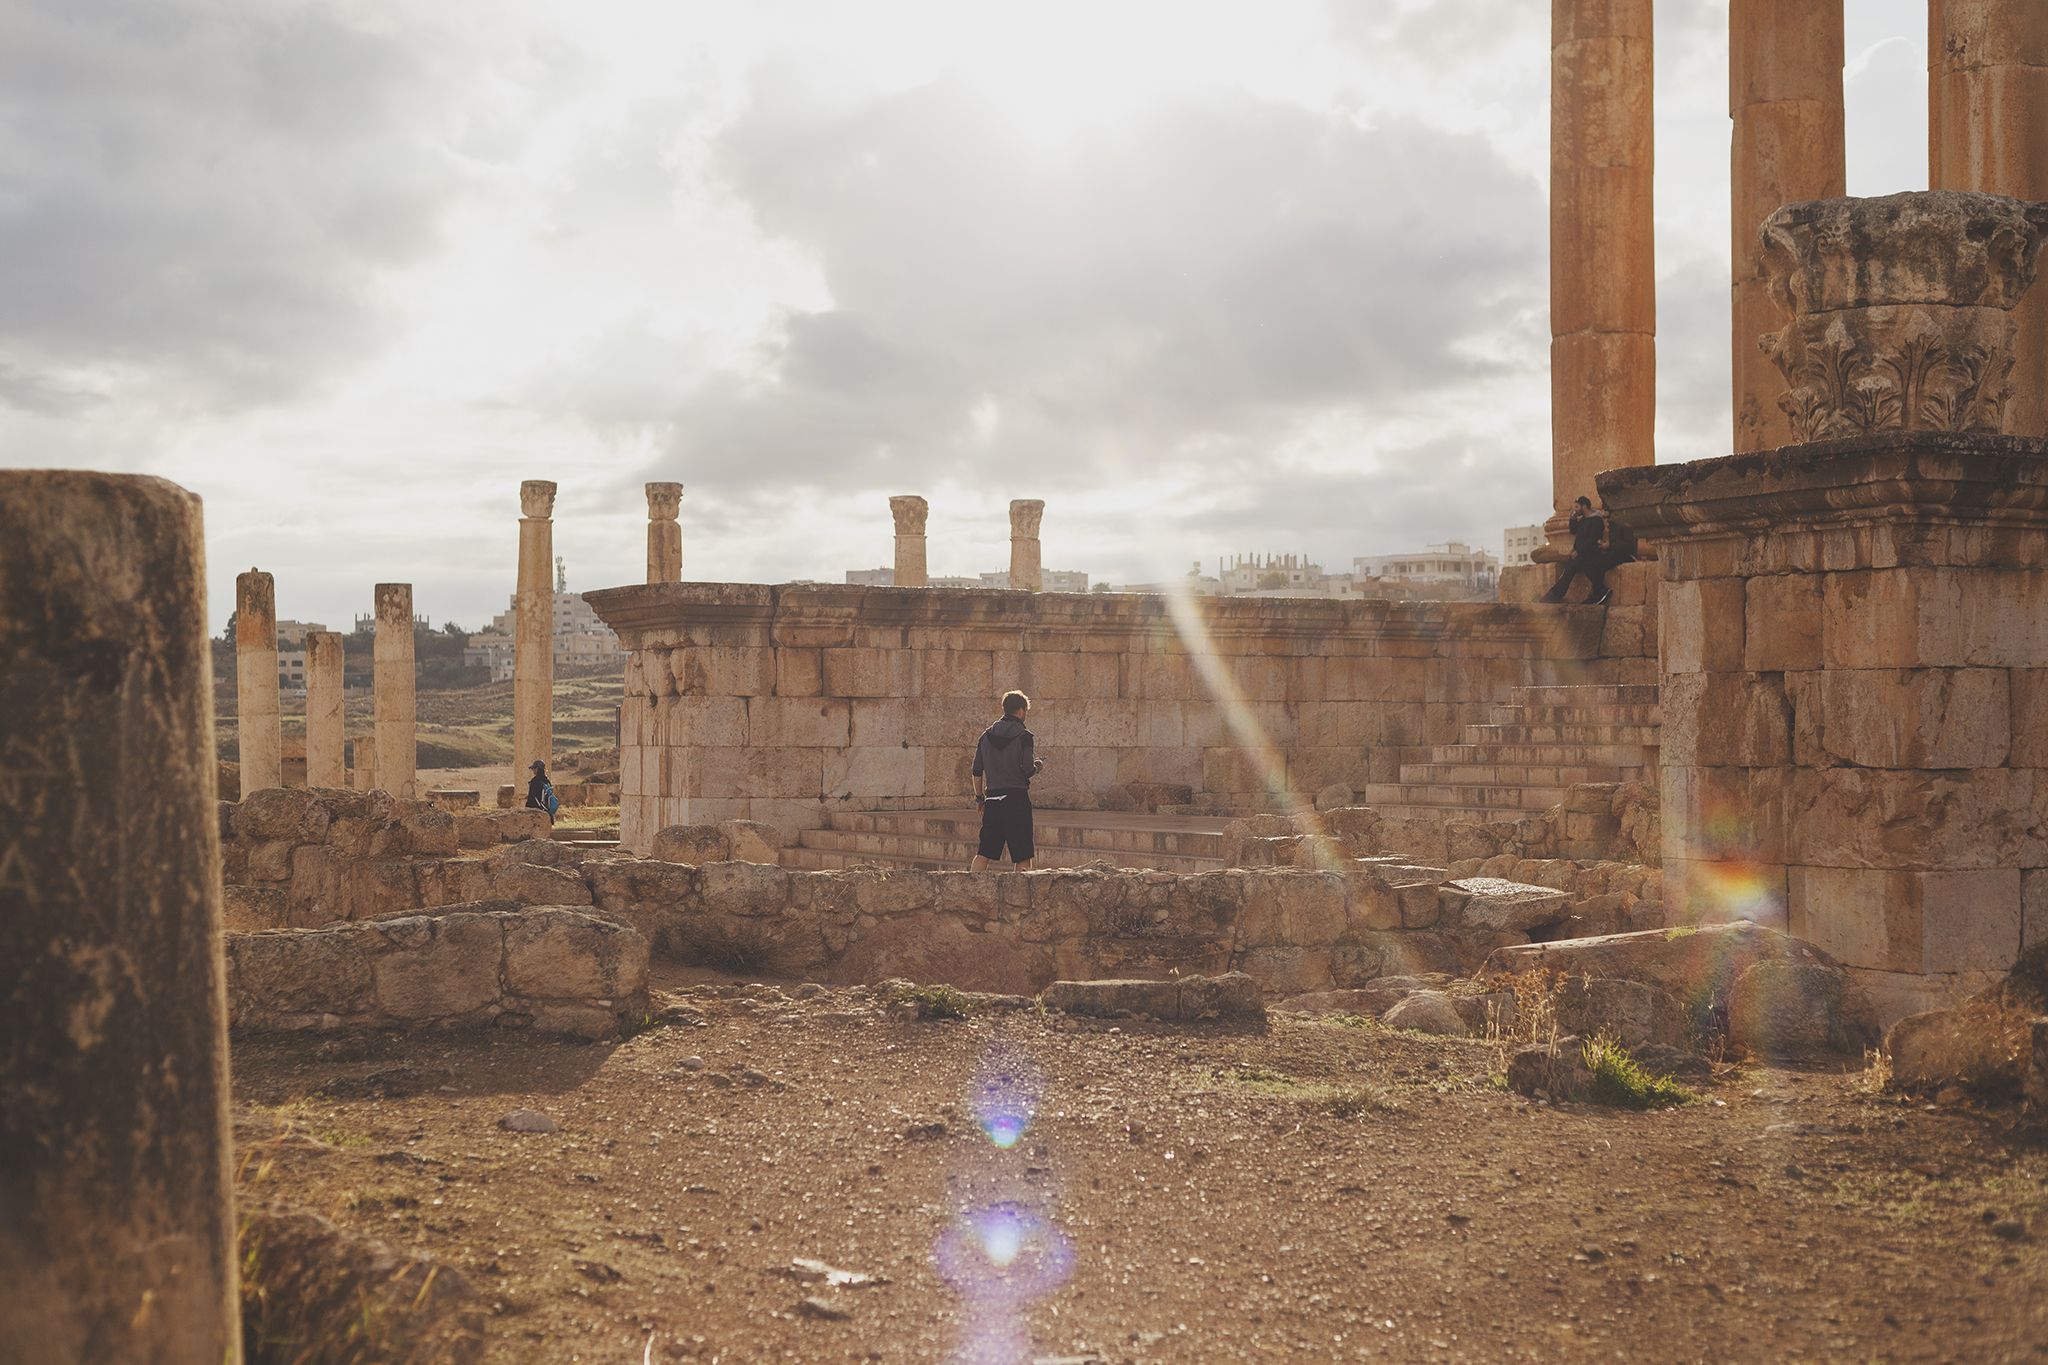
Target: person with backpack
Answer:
pixel 1005 761
pixel 540 793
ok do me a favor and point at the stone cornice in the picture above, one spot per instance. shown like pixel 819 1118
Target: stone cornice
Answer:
pixel 1918 476
pixel 643 609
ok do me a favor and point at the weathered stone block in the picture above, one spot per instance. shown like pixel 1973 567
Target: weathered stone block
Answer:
pixel 1701 625
pixel 437 968
pixel 869 673
pixel 1935 617
pixel 1870 817
pixel 1917 718
pixel 1909 921
pixel 2029 717
pixel 799 722
pixel 553 954
pixel 744 889
pixel 1782 623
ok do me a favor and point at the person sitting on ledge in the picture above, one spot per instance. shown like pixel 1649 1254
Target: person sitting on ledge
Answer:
pixel 1589 555
pixel 1004 764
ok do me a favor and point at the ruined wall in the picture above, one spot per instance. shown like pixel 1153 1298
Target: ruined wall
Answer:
pixel 781 703
pixel 551 970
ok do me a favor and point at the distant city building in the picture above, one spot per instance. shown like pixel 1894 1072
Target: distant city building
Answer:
pixel 580 637
pixel 293 633
pixel 1518 543
pixel 1276 575
pixel 291 663
pixel 1453 564
pixel 871 578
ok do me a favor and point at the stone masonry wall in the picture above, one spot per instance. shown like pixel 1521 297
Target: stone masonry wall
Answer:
pixel 552 970
pixel 780 703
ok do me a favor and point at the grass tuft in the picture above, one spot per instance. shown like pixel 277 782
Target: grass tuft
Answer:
pixel 1620 1080
pixel 932 1002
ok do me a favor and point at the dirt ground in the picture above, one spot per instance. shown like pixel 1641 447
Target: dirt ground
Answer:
pixel 1311 1191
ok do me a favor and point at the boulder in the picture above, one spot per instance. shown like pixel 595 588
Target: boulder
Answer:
pixel 1795 1009
pixel 1979 1045
pixel 1428 1012
pixel 308 1287
pixel 694 844
pixel 751 841
pixel 1336 796
pixel 1184 999
pixel 1633 1013
pixel 530 885
pixel 1555 1070
pixel 1491 903
pixel 293 814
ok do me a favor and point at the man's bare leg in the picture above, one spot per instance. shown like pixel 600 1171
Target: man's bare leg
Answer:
pixel 980 864
pixel 1024 866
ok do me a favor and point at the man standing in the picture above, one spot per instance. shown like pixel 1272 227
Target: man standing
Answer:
pixel 1004 764
pixel 1589 555
pixel 540 793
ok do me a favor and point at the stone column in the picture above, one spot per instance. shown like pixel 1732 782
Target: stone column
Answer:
pixel 1785 97
pixel 1988 131
pixel 259 742
pixel 1026 571
pixel 910 513
pixel 366 758
pixel 392 683
pixel 324 697
pixel 1603 288
pixel 664 535
pixel 116 1200
pixel 1854 634
pixel 533 658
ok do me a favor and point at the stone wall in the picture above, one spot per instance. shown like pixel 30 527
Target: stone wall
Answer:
pixel 294 857
pixel 552 970
pixel 781 703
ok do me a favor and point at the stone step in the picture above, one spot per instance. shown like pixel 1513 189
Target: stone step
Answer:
pixel 931 850
pixel 1520 733
pixel 1106 832
pixel 1486 774
pixel 1482 815
pixel 1582 694
pixel 1504 798
pixel 1576 715
pixel 1627 756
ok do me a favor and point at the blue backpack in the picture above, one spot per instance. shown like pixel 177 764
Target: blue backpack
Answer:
pixel 550 801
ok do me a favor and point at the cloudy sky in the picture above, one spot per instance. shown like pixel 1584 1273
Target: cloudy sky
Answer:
pixel 1208 276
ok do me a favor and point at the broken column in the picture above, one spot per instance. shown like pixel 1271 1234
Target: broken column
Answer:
pixel 1785 97
pixel 325 693
pixel 664 535
pixel 1855 632
pixel 1988 131
pixel 533 642
pixel 1603 289
pixel 1026 570
pixel 259 741
pixel 910 513
pixel 116 1218
pixel 392 684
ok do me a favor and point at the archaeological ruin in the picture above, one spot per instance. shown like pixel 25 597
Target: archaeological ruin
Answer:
pixel 1770 821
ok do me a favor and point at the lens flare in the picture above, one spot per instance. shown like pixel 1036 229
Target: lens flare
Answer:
pixel 1006 1093
pixel 1003 1254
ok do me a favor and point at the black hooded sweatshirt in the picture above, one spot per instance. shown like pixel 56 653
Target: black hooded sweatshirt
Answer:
pixel 1004 756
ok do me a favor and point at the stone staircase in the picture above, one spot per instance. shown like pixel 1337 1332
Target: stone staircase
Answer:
pixel 933 839
pixel 1542 741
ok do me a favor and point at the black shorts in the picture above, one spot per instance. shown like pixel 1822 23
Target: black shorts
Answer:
pixel 1006 821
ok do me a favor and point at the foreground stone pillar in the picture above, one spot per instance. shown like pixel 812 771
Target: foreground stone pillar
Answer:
pixel 259 742
pixel 1603 287
pixel 664 535
pixel 392 684
pixel 1026 570
pixel 325 694
pixel 533 642
pixel 1988 131
pixel 910 513
pixel 1854 632
pixel 1785 97
pixel 116 1217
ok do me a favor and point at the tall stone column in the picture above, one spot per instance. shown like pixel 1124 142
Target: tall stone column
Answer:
pixel 1026 570
pixel 664 535
pixel 1785 97
pixel 1988 131
pixel 324 697
pixel 392 683
pixel 1603 288
pixel 259 743
pixel 910 513
pixel 533 657
pixel 116 1201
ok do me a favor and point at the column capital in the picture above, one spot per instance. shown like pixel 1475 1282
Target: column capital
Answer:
pixel 664 501
pixel 910 512
pixel 537 498
pixel 1025 515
